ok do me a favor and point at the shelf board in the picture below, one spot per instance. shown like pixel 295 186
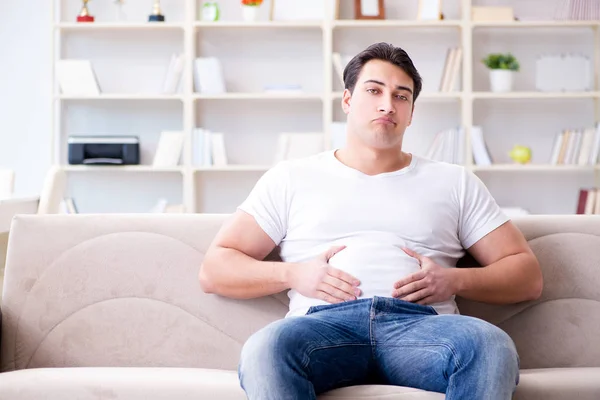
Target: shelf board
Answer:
pixel 93 26
pixel 119 168
pixel 533 167
pixel 259 96
pixel 352 23
pixel 233 168
pixel 536 24
pixel 122 96
pixel 535 95
pixel 258 24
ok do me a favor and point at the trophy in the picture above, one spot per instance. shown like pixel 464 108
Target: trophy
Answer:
pixel 156 16
pixel 119 15
pixel 84 14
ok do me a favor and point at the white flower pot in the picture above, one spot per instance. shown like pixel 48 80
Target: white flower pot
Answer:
pixel 501 80
pixel 250 13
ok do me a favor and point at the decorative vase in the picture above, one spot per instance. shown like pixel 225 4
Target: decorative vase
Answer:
pixel 501 80
pixel 250 13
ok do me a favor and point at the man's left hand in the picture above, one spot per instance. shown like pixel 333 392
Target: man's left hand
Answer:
pixel 432 284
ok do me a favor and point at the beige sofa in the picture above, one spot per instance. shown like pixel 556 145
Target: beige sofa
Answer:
pixel 109 307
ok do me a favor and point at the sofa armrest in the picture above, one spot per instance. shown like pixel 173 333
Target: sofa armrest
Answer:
pixel 0 334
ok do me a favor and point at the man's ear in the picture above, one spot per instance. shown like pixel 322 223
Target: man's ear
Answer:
pixel 346 99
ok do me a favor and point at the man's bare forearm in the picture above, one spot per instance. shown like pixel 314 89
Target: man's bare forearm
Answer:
pixel 512 279
pixel 231 273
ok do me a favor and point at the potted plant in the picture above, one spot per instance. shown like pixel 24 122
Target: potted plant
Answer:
pixel 502 68
pixel 250 9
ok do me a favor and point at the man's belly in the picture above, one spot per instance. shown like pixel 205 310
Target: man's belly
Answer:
pixel 377 266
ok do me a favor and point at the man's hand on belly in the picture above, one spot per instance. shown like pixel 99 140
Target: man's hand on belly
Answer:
pixel 319 280
pixel 432 284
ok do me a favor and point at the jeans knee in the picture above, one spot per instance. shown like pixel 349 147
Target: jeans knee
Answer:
pixel 269 348
pixel 496 350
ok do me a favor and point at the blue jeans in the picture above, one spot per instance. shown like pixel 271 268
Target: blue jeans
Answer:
pixel 379 340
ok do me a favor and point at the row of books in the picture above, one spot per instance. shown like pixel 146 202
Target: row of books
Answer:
pixel 589 201
pixel 208 148
pixel 447 146
pixel 451 69
pixel 578 10
pixel 576 147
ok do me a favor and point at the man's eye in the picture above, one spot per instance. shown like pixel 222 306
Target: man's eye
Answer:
pixel 372 90
pixel 401 97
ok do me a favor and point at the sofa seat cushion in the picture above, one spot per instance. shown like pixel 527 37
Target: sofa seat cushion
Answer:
pixel 197 383
pixel 161 384
pixel 559 384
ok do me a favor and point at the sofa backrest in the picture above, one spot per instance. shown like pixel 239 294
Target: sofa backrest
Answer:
pixel 122 290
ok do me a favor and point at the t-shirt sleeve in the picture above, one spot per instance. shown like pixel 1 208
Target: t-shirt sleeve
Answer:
pixel 268 202
pixel 479 212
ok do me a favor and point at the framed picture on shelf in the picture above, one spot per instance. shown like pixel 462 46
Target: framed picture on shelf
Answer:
pixel 369 9
pixel 430 10
pixel 305 10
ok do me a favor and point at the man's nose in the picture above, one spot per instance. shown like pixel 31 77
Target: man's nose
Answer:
pixel 387 107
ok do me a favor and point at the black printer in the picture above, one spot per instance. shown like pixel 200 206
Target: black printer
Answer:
pixel 104 150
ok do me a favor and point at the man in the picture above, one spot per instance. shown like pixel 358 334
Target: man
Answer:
pixel 369 236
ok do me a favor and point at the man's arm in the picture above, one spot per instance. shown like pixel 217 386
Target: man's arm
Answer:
pixel 233 267
pixel 510 271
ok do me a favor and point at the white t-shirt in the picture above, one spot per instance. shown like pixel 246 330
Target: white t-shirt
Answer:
pixel 436 209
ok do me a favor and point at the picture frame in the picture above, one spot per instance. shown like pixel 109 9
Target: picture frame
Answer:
pixel 305 10
pixel 429 10
pixel 369 9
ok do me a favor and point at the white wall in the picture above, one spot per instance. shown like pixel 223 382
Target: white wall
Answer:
pixel 25 92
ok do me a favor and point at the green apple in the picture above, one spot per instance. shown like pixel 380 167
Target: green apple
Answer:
pixel 210 11
pixel 520 154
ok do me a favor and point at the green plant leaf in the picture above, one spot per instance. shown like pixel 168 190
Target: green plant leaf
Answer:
pixel 501 61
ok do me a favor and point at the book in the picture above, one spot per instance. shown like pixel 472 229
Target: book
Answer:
pixel 208 76
pixel 201 147
pixel 451 70
pixel 168 151
pixel 77 78
pixel 480 150
pixel 173 75
pixel 218 153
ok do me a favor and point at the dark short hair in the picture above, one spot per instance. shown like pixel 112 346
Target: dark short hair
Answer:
pixel 386 52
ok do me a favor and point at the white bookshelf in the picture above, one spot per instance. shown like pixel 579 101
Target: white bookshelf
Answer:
pixel 251 118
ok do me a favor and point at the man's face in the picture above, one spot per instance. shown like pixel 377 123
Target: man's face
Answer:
pixel 381 106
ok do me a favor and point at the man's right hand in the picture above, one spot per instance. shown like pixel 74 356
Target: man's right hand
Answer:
pixel 319 280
